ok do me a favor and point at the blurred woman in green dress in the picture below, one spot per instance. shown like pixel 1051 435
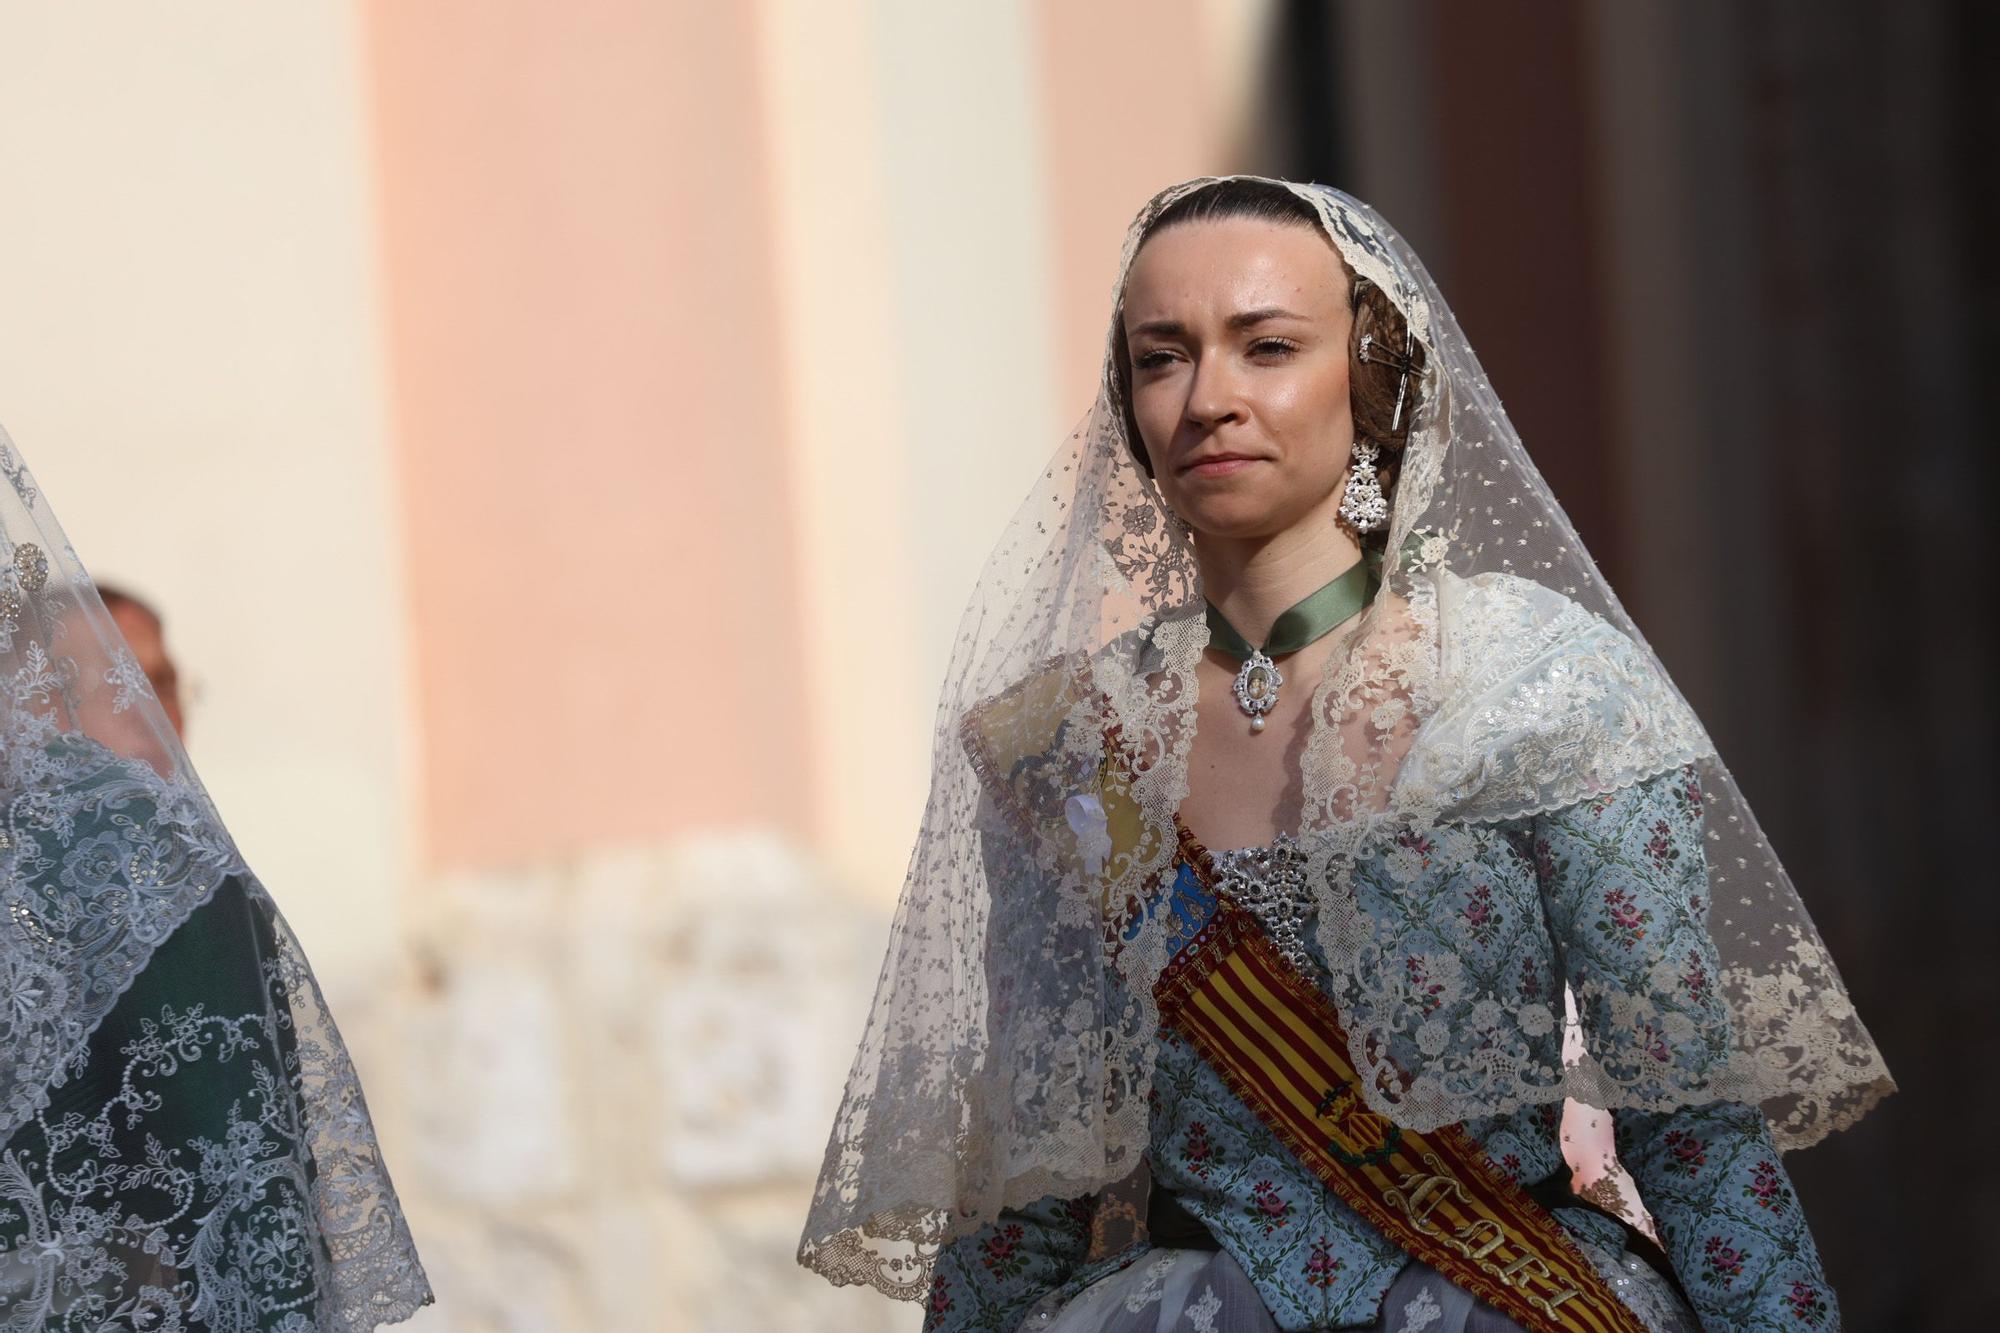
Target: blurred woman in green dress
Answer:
pixel 184 1146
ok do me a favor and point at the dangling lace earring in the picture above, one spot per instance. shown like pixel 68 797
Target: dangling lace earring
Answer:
pixel 1362 504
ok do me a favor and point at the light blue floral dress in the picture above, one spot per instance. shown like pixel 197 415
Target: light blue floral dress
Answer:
pixel 1619 879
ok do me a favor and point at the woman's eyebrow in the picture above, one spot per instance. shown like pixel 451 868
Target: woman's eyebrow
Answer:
pixel 1173 328
pixel 1247 318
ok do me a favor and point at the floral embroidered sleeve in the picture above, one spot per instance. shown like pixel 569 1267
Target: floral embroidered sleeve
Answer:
pixel 986 1281
pixel 1728 1216
pixel 1623 879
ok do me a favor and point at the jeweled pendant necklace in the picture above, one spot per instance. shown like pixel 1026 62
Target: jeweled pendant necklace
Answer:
pixel 1306 622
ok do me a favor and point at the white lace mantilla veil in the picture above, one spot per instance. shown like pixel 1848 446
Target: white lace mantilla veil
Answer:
pixel 1009 1054
pixel 122 1206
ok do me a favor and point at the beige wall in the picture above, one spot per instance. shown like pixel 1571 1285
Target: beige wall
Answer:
pixel 189 359
pixel 905 146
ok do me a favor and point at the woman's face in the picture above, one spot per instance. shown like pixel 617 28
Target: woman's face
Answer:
pixel 1237 331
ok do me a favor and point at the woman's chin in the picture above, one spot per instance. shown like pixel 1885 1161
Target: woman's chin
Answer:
pixel 1239 517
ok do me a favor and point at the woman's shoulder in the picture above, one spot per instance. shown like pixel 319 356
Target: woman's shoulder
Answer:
pixel 1029 716
pixel 1054 719
pixel 1025 719
pixel 1494 622
pixel 1538 700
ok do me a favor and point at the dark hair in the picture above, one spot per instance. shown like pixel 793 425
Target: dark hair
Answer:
pixel 1372 384
pixel 114 597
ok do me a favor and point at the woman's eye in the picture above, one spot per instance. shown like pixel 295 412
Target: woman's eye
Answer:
pixel 1151 360
pixel 1273 347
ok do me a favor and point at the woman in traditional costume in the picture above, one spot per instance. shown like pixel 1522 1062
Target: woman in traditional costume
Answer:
pixel 184 1147
pixel 1294 590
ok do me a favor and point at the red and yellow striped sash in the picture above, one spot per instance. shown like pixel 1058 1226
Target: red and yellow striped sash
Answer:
pixel 1278 1043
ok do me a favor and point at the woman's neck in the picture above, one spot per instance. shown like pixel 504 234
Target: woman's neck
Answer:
pixel 1253 581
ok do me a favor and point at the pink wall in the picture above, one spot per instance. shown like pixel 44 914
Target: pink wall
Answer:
pixel 584 351
pixel 1133 103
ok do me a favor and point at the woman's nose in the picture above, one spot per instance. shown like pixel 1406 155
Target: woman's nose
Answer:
pixel 1212 396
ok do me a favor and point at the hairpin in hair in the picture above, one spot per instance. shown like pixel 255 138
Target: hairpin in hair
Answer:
pixel 1373 353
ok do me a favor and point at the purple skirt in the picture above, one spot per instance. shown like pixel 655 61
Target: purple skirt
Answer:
pixel 1205 1291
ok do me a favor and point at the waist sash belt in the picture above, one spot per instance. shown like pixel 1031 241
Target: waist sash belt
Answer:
pixel 1278 1043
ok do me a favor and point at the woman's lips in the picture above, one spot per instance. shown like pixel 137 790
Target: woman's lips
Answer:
pixel 1220 467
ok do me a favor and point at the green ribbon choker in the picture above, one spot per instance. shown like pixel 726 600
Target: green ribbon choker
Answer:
pixel 1306 622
